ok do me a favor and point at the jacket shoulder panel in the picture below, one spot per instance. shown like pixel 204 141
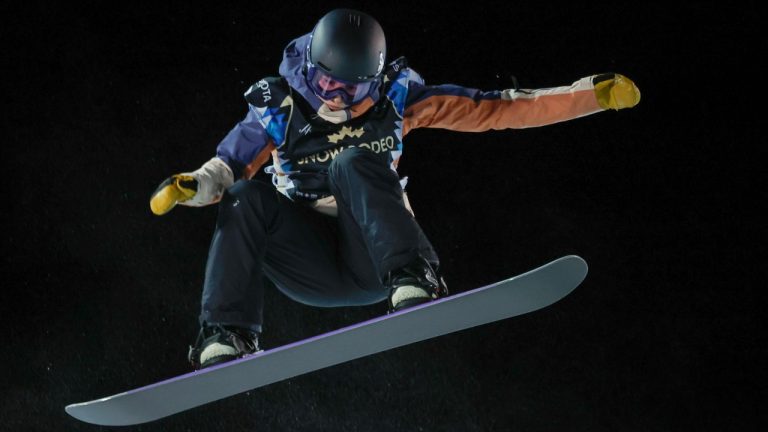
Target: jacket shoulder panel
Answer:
pixel 270 99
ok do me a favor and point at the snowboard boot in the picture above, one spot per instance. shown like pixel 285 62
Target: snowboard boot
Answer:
pixel 414 284
pixel 218 344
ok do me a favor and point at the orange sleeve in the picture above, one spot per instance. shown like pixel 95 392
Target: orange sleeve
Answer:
pixel 469 110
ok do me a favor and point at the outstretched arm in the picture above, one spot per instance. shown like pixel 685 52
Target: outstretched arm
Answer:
pixel 471 110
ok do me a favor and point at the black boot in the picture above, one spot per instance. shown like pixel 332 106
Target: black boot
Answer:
pixel 218 344
pixel 414 284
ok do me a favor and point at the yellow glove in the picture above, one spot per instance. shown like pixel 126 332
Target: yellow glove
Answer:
pixel 175 189
pixel 615 91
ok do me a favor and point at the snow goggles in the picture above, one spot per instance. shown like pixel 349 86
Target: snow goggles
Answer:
pixel 328 87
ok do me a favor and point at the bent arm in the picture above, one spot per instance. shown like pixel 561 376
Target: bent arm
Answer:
pixel 239 155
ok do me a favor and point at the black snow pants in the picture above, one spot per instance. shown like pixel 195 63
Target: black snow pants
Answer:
pixel 311 257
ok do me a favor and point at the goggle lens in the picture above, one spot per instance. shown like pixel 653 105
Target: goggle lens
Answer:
pixel 327 87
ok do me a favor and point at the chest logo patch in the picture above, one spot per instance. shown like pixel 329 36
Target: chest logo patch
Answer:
pixel 345 131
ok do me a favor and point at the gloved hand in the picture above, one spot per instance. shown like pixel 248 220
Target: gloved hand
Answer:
pixel 175 189
pixel 615 91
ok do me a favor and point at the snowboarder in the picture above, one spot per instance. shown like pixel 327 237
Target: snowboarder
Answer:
pixel 335 227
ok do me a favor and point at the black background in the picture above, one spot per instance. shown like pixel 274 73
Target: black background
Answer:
pixel 101 102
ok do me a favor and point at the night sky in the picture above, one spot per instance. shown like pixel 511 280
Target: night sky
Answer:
pixel 100 104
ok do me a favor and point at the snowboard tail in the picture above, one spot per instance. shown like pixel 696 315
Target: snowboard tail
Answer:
pixel 518 295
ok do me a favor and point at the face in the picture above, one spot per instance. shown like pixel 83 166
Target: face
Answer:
pixel 337 94
pixel 328 85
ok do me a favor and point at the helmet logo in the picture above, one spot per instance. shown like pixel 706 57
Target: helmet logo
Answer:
pixel 381 63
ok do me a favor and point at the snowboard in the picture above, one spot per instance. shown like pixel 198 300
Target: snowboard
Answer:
pixel 518 295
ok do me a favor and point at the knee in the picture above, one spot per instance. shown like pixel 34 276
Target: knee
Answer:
pixel 351 160
pixel 348 159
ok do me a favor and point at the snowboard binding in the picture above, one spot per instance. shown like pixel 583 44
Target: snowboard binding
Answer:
pixel 217 344
pixel 414 284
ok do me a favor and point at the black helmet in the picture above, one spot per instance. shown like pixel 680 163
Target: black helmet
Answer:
pixel 349 47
